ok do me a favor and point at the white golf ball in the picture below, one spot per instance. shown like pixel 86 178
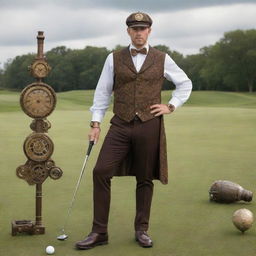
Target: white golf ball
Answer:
pixel 50 249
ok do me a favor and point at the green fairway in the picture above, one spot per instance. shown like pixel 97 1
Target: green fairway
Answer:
pixel 212 137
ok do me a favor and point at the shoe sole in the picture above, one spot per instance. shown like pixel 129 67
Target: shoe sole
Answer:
pixel 143 245
pixel 90 247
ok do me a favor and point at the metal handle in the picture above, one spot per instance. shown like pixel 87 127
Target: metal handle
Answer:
pixel 90 147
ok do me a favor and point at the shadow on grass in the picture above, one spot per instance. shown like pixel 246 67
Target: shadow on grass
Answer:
pixel 236 233
pixel 213 203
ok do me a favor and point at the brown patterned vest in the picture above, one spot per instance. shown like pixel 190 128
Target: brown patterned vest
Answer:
pixel 134 91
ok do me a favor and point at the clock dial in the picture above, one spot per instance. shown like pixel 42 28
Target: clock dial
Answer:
pixel 40 69
pixel 38 100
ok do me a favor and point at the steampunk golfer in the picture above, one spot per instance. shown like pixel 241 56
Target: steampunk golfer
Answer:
pixel 135 143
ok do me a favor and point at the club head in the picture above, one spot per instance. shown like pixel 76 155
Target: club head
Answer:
pixel 62 237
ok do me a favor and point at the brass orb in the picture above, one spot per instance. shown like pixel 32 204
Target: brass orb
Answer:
pixel 243 219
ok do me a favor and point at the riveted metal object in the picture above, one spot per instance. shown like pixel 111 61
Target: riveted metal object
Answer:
pixel 38 174
pixel 37 100
pixel 49 164
pixel 243 219
pixel 40 125
pixel 55 173
pixel 38 147
pixel 22 171
pixel 224 191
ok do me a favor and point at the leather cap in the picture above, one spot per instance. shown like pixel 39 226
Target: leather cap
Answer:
pixel 139 19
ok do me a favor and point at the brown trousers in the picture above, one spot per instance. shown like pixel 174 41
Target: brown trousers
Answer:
pixel 140 138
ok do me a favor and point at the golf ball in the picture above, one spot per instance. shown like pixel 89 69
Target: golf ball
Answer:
pixel 50 249
pixel 243 219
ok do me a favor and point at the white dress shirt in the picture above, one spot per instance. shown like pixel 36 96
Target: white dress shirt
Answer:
pixel 104 87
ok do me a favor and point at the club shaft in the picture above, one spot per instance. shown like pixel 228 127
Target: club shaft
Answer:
pixel 74 195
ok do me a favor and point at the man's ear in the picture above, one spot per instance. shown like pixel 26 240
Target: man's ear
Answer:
pixel 149 30
pixel 128 31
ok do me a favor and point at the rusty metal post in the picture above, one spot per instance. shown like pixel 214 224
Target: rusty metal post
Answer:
pixel 40 45
pixel 38 204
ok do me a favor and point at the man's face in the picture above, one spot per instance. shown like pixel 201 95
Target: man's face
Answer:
pixel 139 35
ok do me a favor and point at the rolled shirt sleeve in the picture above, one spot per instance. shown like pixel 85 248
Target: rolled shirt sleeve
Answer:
pixel 103 91
pixel 173 73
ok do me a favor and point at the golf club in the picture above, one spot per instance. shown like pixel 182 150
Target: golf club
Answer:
pixel 64 236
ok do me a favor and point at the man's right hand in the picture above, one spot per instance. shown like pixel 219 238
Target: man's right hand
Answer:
pixel 94 134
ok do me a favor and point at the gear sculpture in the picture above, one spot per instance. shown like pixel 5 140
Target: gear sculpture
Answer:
pixel 37 100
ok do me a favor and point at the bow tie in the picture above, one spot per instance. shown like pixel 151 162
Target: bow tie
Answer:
pixel 134 52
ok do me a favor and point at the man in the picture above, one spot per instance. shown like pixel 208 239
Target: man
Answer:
pixel 135 143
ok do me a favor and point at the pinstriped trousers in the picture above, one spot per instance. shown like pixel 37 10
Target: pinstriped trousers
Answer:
pixel 142 140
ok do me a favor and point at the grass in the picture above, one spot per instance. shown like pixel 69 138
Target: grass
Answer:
pixel 82 100
pixel 212 137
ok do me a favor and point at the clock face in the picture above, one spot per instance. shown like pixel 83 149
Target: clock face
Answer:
pixel 38 100
pixel 40 69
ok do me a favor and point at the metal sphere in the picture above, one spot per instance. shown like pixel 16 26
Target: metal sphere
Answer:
pixel 243 219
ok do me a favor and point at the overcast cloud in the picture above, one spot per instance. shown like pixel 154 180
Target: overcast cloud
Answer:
pixel 185 26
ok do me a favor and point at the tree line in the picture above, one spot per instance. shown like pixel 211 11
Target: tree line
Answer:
pixel 228 65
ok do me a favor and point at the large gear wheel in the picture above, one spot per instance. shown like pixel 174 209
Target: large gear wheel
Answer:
pixel 38 174
pixel 38 147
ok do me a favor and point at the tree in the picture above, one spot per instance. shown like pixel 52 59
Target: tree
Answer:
pixel 238 53
pixel 89 65
pixel 1 78
pixel 231 62
pixel 227 65
pixel 176 56
pixel 193 65
pixel 16 75
pixel 60 77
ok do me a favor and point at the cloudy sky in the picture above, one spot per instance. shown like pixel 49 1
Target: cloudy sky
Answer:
pixel 183 25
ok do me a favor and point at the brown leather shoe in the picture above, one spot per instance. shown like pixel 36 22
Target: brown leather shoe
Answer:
pixel 92 240
pixel 143 239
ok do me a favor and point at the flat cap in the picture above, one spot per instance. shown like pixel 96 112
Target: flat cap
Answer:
pixel 139 19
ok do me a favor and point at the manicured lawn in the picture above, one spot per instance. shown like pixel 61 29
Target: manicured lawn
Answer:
pixel 211 138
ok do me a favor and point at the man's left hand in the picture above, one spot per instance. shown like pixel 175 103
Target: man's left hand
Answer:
pixel 161 109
